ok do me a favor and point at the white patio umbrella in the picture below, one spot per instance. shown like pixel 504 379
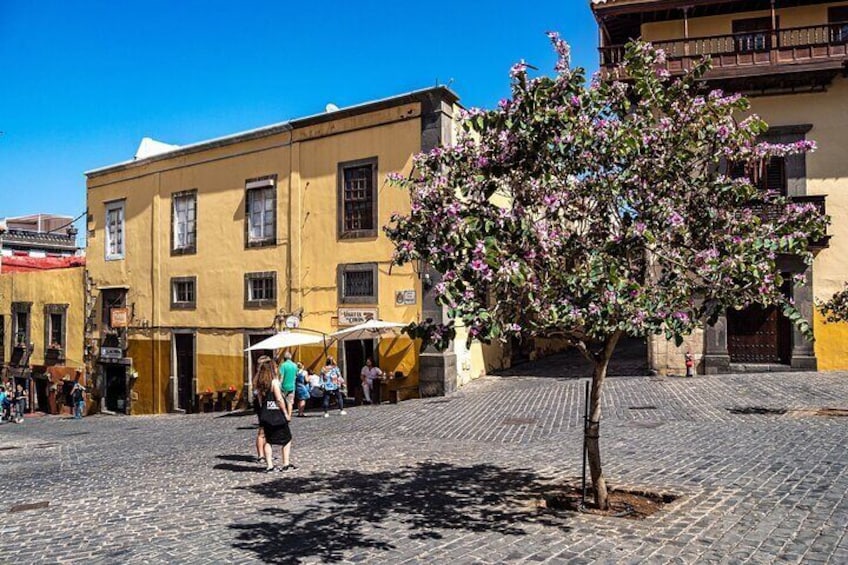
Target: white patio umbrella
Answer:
pixel 286 339
pixel 372 329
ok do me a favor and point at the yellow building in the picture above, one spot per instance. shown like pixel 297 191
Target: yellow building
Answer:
pixel 791 58
pixel 42 312
pixel 205 249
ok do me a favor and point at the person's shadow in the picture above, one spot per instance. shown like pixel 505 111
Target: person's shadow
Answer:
pixel 351 510
pixel 254 468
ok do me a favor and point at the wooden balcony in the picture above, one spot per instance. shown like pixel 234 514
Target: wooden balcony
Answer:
pixel 772 212
pixel 800 51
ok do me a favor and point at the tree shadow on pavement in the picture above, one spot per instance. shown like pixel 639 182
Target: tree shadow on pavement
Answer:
pixel 351 511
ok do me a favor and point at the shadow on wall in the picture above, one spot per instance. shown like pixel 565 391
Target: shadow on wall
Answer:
pixel 355 511
pixel 630 359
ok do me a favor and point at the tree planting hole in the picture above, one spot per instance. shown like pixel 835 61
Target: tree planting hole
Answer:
pixel 757 410
pixel 30 506
pixel 647 425
pixel 833 412
pixel 519 421
pixel 633 504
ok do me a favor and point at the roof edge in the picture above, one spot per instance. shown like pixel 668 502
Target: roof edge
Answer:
pixel 273 129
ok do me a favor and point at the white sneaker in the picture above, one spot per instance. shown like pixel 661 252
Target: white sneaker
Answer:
pixel 326 415
pixel 343 413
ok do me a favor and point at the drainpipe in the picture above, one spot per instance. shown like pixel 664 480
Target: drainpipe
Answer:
pixel 2 232
pixel 292 226
pixel 686 31
pixel 774 35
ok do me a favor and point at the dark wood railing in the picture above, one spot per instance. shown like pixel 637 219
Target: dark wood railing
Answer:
pixel 773 212
pixel 746 49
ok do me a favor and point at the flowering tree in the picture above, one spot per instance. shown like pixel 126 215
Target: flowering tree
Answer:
pixel 598 211
pixel 836 309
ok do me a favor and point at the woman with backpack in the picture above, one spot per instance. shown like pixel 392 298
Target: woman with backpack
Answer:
pixel 274 416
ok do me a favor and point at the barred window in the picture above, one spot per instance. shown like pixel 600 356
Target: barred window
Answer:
pixel 357 199
pixel 358 283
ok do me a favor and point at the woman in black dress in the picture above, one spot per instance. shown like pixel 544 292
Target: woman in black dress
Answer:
pixel 274 416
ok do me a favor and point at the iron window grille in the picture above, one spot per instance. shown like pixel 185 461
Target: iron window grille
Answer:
pixel 358 199
pixel 358 283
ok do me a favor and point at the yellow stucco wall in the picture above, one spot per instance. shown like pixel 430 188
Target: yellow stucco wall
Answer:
pixel 305 162
pixel 831 344
pixel 827 168
pixel 827 173
pixel 40 288
pixel 723 25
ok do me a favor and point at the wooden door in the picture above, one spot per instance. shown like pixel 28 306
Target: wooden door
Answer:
pixel 184 350
pixel 758 335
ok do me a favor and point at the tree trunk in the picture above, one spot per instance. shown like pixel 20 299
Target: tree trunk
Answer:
pixel 601 360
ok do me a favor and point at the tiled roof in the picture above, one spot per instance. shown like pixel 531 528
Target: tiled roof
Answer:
pixel 21 264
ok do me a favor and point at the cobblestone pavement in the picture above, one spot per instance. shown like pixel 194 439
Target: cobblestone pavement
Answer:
pixel 449 480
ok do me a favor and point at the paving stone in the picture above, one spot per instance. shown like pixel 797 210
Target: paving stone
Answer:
pixel 446 480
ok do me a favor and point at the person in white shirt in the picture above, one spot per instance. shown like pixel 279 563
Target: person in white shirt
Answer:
pixel 369 374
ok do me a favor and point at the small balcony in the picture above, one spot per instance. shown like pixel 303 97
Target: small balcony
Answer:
pixel 772 212
pixel 769 54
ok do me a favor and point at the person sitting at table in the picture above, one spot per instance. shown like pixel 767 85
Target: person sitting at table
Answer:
pixel 369 374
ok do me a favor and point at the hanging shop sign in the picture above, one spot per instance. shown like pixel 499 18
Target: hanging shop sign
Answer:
pixel 111 353
pixel 356 316
pixel 119 317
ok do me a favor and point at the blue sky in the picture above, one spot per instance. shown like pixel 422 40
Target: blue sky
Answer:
pixel 82 82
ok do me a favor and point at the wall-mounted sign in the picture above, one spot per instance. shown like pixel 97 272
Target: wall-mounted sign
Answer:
pixel 356 316
pixel 292 322
pixel 111 352
pixel 119 317
pixel 405 298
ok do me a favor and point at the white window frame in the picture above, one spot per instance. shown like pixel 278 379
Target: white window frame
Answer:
pixel 261 202
pixel 184 209
pixel 118 208
pixel 176 303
